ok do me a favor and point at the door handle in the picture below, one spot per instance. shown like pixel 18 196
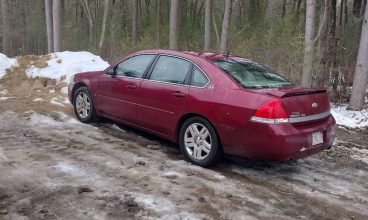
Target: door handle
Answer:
pixel 132 86
pixel 179 94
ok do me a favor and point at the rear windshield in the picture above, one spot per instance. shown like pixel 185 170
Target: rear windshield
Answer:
pixel 250 74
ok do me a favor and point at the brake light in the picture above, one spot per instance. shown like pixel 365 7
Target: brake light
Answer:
pixel 272 112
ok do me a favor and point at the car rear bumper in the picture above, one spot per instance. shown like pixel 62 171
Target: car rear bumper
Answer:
pixel 280 142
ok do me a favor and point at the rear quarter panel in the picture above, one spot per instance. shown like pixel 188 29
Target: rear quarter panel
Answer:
pixel 224 103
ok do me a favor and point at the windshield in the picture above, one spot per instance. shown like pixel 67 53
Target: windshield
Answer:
pixel 251 75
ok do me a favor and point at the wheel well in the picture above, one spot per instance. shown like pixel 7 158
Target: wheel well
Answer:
pixel 186 117
pixel 76 86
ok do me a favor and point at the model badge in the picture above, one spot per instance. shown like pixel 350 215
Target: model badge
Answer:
pixel 314 105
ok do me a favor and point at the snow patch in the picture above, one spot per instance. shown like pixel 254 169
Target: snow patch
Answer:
pixel 64 65
pixel 115 127
pixel 38 100
pixel 5 63
pixel 348 118
pixel 69 168
pixel 59 102
pixel 38 119
pixel 4 98
pixel 360 154
pixel 172 175
pixel 4 92
pixel 159 205
pixel 64 90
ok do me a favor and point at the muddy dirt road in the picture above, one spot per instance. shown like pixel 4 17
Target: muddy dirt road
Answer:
pixel 54 167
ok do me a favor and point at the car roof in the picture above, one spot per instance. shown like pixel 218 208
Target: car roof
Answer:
pixel 208 56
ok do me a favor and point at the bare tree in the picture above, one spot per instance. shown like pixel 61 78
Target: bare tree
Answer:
pixel 49 26
pixel 104 21
pixel 89 16
pixel 158 22
pixel 174 12
pixel 56 8
pixel 309 43
pixel 6 27
pixel 361 69
pixel 225 26
pixel 134 21
pixel 207 25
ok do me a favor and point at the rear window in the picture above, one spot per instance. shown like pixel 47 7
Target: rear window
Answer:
pixel 251 74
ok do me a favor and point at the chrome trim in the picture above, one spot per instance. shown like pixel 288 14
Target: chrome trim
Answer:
pixel 128 77
pixel 177 84
pixel 269 121
pixel 170 55
pixel 310 117
pixel 290 120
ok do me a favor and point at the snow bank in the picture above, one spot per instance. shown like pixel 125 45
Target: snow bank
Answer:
pixel 5 63
pixel 63 65
pixel 348 118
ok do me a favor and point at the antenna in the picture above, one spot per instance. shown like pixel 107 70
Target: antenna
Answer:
pixel 228 53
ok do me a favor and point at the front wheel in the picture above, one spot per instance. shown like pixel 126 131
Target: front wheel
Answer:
pixel 83 105
pixel 199 142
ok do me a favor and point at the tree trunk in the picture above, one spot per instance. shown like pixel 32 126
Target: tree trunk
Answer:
pixel 104 21
pixel 174 9
pixel 356 8
pixel 225 26
pixel 6 28
pixel 361 69
pixel 49 26
pixel 56 8
pixel 309 43
pixel 283 8
pixel 90 22
pixel 134 21
pixel 158 23
pixel 322 42
pixel 207 25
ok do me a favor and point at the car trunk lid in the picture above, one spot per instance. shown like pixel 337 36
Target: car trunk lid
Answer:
pixel 303 105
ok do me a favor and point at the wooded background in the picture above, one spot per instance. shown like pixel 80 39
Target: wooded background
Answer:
pixel 312 42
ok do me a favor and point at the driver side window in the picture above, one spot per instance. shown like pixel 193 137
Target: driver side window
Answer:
pixel 134 66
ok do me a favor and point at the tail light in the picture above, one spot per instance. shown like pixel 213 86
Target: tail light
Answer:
pixel 272 112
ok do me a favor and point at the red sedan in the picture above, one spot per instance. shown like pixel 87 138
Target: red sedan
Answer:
pixel 208 103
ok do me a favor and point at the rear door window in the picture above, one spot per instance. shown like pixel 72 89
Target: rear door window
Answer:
pixel 171 70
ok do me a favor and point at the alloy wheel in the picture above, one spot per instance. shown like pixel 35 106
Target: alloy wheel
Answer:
pixel 197 141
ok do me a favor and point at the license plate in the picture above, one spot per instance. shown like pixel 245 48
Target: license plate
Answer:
pixel 317 138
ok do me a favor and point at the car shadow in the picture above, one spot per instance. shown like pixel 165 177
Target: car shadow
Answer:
pixel 172 150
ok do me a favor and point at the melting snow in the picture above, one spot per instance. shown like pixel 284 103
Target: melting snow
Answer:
pixel 5 98
pixel 4 92
pixel 5 63
pixel 66 64
pixel 348 118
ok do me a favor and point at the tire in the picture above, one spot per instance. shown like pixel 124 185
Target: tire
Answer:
pixel 201 147
pixel 83 105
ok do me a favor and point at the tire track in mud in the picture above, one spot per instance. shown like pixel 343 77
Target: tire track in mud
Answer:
pixel 233 190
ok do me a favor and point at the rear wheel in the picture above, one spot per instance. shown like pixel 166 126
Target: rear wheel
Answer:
pixel 83 105
pixel 199 142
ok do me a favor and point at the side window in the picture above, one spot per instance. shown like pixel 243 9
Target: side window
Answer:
pixel 198 78
pixel 135 66
pixel 170 69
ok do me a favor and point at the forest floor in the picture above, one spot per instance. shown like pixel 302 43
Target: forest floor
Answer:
pixel 54 167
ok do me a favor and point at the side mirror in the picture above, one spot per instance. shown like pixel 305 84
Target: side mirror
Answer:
pixel 111 72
